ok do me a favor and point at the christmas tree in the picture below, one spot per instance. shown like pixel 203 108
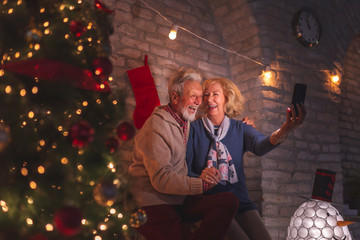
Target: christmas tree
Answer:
pixel 60 124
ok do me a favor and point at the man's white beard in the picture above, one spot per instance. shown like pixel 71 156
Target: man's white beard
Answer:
pixel 187 116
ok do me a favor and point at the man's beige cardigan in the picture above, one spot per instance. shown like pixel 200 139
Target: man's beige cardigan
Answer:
pixel 159 168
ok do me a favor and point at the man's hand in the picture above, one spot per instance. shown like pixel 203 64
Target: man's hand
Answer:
pixel 248 121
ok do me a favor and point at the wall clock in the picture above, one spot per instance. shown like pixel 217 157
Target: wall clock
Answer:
pixel 307 28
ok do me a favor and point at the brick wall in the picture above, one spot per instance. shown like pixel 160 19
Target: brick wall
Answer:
pixel 260 30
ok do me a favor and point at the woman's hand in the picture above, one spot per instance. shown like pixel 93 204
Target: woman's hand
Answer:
pixel 211 176
pixel 292 121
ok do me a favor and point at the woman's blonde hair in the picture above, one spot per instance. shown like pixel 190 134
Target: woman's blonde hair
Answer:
pixel 234 104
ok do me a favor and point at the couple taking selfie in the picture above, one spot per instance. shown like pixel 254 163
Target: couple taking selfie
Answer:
pixel 187 165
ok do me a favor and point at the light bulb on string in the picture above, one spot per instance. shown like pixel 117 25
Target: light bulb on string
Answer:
pixel 173 32
pixel 335 78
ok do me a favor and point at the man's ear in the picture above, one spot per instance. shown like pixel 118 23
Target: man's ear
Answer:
pixel 174 98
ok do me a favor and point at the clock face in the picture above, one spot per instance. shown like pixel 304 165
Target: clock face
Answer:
pixel 307 28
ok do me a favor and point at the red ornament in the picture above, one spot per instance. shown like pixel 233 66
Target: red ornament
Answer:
pixel 112 144
pixel 77 28
pixel 125 131
pixel 68 220
pixel 101 6
pixel 102 67
pixel 81 134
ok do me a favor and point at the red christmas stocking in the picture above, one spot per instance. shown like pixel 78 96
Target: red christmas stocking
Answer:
pixel 145 93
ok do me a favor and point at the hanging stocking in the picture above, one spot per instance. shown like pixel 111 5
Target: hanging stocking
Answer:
pixel 145 93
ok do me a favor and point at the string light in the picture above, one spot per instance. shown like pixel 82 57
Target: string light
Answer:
pixel 173 32
pixel 273 68
pixel 335 78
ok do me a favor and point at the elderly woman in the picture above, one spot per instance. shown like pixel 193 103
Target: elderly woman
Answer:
pixel 220 141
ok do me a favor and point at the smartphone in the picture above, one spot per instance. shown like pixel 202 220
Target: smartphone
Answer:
pixel 298 95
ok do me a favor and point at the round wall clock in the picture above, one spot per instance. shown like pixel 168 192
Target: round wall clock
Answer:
pixel 306 28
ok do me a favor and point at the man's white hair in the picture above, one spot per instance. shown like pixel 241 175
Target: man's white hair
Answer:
pixel 177 81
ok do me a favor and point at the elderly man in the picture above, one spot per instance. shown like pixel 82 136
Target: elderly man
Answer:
pixel 159 171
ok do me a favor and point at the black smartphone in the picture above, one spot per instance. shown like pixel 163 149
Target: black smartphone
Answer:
pixel 298 95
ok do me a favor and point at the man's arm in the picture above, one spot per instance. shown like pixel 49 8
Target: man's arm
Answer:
pixel 167 175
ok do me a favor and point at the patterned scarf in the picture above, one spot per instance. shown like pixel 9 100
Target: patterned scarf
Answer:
pixel 218 155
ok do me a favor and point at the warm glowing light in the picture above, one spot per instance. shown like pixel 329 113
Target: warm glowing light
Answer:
pixel 33 185
pixel 115 102
pixel 125 227
pixel 22 92
pixel 78 111
pixel 65 134
pixel 65 20
pixel 4 206
pixel 80 48
pixel 46 24
pixel 62 7
pixel 10 11
pixel 41 170
pixel 31 114
pixel 102 227
pixel 120 215
pixel 19 2
pixel 8 89
pixel 80 167
pixel 98 101
pixel 335 78
pixel 2 72
pixel 42 10
pixel 84 221
pixel 60 128
pixel 89 39
pixel 97 72
pixel 47 31
pixel 71 7
pixel 17 54
pixel 67 36
pixel 34 90
pixel 116 181
pixel 29 221
pixel 30 201
pixel 85 103
pixel 24 123
pixel 111 165
pixel 37 46
pixel 89 26
pixel 42 142
pixel 24 171
pixel 112 211
pixel 64 160
pixel 5 2
pixel 97 238
pixel 173 32
pixel 102 86
pixel 30 54
pixel 49 227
